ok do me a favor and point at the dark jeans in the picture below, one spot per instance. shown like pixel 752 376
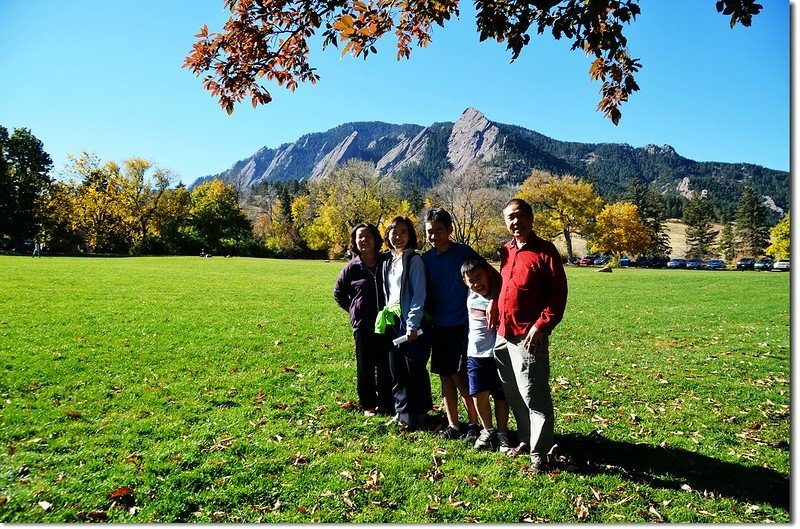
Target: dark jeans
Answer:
pixel 373 376
pixel 411 383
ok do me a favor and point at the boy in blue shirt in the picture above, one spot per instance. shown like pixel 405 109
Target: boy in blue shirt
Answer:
pixel 447 296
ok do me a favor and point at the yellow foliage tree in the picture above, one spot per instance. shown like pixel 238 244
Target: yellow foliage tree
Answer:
pixel 352 194
pixel 139 192
pixel 619 230
pixel 781 239
pixel 563 206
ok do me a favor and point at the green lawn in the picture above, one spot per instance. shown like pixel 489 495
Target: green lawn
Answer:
pixel 222 390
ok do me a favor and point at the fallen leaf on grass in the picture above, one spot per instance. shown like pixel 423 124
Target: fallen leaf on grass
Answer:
pixel 652 510
pixel 348 405
pixel 3 500
pixel 471 481
pixel 299 460
pixel 373 481
pixel 93 516
pixel 73 414
pixel 433 474
pixel 45 505
pixel 122 497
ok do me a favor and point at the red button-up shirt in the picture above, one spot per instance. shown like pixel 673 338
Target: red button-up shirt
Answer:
pixel 534 290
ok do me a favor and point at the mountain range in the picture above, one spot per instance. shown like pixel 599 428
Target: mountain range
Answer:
pixel 416 155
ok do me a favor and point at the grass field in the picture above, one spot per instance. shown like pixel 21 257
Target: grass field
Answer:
pixel 222 390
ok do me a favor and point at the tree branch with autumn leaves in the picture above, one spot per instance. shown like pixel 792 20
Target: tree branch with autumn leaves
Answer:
pixel 268 39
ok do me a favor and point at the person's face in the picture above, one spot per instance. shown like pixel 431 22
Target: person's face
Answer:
pixel 399 237
pixel 518 223
pixel 478 281
pixel 438 235
pixel 365 242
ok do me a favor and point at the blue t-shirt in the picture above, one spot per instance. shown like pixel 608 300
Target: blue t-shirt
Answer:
pixel 445 284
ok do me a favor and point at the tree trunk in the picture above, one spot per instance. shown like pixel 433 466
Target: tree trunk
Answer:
pixel 568 241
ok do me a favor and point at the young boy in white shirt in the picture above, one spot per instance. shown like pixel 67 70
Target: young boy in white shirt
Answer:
pixel 481 368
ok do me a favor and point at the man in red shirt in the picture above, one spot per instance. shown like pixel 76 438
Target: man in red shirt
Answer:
pixel 531 303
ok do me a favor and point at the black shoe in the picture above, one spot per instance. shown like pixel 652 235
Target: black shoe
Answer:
pixel 473 432
pixel 451 433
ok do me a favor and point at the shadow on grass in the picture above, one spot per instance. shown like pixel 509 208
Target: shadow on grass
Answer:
pixel 670 468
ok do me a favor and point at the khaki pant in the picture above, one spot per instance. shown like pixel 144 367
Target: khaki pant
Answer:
pixel 526 383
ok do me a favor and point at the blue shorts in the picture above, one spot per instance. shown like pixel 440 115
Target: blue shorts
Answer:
pixel 482 373
pixel 449 349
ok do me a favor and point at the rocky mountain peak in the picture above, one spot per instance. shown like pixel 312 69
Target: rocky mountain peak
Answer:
pixel 474 138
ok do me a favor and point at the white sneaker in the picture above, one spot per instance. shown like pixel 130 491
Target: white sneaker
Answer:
pixel 487 440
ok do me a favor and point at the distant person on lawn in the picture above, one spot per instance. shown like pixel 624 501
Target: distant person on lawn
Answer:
pixel 531 303
pixel 359 291
pixel 404 287
pixel 450 322
pixel 481 367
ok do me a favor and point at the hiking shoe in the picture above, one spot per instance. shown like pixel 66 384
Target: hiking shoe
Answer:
pixel 538 464
pixel 519 450
pixel 473 432
pixel 451 433
pixel 370 412
pixel 502 442
pixel 487 440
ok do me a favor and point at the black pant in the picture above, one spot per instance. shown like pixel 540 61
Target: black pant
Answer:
pixel 373 376
pixel 410 379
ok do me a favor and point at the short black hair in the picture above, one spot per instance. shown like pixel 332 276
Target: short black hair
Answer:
pixel 521 204
pixel 373 230
pixel 439 215
pixel 412 233
pixel 472 263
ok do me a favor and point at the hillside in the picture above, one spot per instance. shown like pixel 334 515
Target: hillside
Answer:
pixel 417 155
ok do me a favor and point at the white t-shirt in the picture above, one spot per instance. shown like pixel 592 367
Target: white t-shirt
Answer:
pixel 395 274
pixel 481 337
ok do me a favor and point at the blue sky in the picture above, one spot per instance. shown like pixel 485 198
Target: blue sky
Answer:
pixel 105 77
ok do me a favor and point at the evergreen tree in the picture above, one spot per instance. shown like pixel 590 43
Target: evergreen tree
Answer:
pixel 652 215
pixel 752 228
pixel 700 235
pixel 726 247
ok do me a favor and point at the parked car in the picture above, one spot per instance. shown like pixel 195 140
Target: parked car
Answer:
pixel 715 264
pixel 651 262
pixel 694 264
pixel 765 263
pixel 676 262
pixel 602 260
pixel 586 260
pixel 746 263
pixel 781 265
pixel 625 261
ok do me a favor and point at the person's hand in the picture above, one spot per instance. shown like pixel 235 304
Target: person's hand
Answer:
pixel 492 315
pixel 534 340
pixel 411 335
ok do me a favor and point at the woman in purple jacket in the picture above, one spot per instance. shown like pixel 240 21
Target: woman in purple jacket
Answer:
pixel 359 290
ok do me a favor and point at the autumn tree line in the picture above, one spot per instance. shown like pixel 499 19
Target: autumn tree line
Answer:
pixel 136 208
